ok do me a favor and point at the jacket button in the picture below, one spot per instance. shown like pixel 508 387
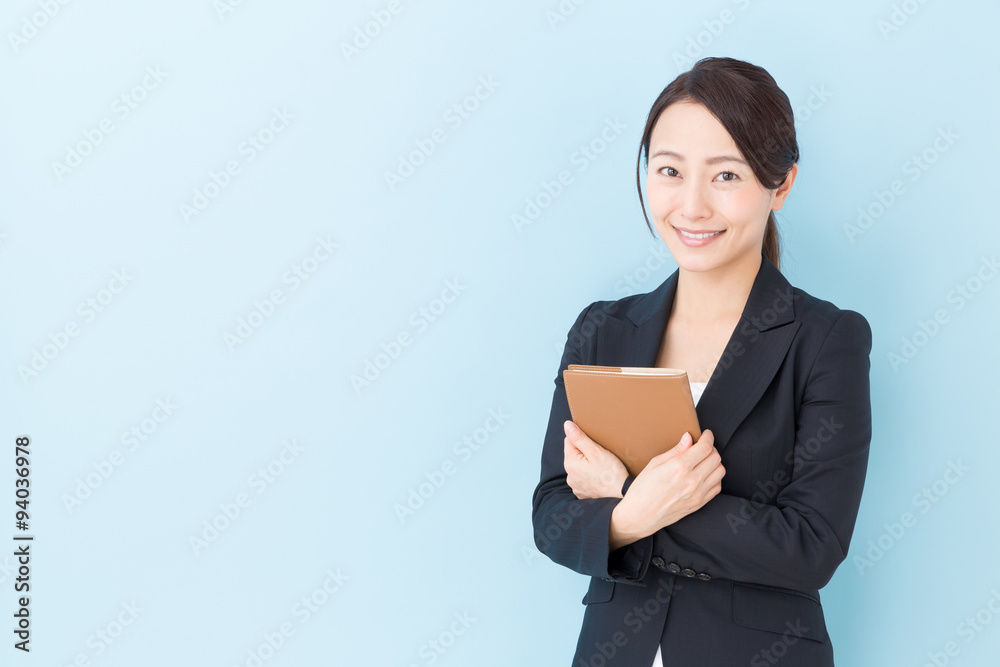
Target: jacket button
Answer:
pixel 673 568
pixel 704 577
pixel 687 572
pixel 658 562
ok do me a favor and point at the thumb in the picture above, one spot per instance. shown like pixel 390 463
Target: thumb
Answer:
pixel 682 445
pixel 577 437
pixel 571 451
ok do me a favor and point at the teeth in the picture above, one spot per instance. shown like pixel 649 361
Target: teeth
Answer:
pixel 697 236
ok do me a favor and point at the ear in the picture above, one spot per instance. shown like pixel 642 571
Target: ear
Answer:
pixel 782 192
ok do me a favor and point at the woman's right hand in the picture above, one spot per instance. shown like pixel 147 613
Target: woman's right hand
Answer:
pixel 671 486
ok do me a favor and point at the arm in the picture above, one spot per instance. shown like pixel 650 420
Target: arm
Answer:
pixel 798 542
pixel 572 532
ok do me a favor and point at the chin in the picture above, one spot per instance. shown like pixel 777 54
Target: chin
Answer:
pixel 697 264
pixel 700 259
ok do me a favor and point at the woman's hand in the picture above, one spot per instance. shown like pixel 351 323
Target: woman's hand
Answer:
pixel 591 470
pixel 673 485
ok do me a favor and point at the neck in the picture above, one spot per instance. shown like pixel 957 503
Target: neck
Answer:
pixel 718 294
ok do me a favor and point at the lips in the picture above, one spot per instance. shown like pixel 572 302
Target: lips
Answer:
pixel 695 238
pixel 699 231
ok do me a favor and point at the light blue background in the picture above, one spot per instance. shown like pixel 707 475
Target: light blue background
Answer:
pixel 496 346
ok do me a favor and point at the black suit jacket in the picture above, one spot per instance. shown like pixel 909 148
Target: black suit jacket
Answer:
pixel 736 582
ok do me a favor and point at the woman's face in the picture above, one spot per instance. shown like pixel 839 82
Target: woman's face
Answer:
pixel 699 182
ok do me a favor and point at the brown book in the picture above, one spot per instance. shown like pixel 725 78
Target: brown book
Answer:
pixel 634 412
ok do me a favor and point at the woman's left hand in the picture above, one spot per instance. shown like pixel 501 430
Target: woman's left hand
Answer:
pixel 591 470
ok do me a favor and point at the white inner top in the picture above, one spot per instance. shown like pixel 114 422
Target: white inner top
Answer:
pixel 697 388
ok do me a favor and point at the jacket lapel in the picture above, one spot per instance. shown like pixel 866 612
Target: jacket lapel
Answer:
pixel 753 355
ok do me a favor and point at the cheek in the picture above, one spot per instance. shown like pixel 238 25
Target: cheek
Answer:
pixel 661 199
pixel 741 205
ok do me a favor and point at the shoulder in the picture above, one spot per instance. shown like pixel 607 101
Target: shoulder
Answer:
pixel 597 315
pixel 597 312
pixel 820 319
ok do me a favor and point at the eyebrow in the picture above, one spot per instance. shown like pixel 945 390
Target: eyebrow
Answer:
pixel 712 160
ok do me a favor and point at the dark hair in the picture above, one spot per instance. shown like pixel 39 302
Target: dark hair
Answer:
pixel 754 111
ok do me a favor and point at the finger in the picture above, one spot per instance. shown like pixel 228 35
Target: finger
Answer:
pixel 682 446
pixel 573 433
pixel 661 459
pixel 570 451
pixel 707 439
pixel 713 492
pixel 581 440
pixel 701 449
pixel 573 430
pixel 716 475
pixel 710 471
pixel 708 463
pixel 685 445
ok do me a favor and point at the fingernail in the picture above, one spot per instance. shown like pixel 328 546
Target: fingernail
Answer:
pixel 569 426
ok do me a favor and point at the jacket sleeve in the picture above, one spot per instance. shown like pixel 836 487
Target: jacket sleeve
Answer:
pixel 800 540
pixel 573 532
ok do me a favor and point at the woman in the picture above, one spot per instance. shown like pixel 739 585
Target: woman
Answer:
pixel 715 553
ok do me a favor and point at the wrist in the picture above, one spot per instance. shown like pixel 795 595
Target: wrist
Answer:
pixel 618 486
pixel 621 530
pixel 612 484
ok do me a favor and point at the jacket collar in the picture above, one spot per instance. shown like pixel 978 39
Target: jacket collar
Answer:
pixel 768 286
pixel 751 358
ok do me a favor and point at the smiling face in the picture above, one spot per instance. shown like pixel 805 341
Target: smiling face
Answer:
pixel 704 199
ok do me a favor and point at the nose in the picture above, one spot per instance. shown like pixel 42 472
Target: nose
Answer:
pixel 695 203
